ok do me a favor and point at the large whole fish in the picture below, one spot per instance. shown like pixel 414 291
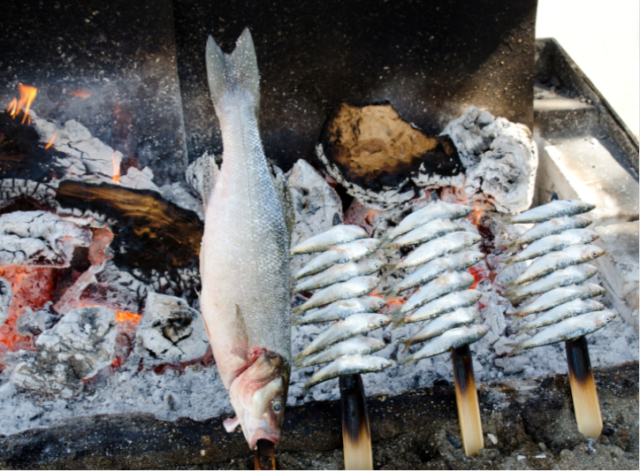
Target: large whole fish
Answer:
pixel 244 257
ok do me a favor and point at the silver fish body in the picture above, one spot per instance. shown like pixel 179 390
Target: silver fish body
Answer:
pixel 559 313
pixel 439 306
pixel 351 326
pixel 554 209
pixel 341 308
pixel 558 296
pixel 459 317
pixel 558 260
pixel 453 338
pixel 244 256
pixel 555 242
pixel 348 365
pixel 352 288
pixel 453 242
pixel 339 234
pixel 574 274
pixel 430 212
pixel 352 251
pixel 431 230
pixel 358 345
pixel 444 284
pixel 568 329
pixel 339 273
pixel 554 226
pixel 432 269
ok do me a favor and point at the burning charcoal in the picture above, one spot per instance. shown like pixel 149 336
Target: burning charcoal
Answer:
pixel 76 348
pixel 38 238
pixel 33 323
pixel 500 157
pixel 6 294
pixel 374 153
pixel 170 331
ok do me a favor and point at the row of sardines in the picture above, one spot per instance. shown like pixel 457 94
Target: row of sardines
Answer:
pixel 341 277
pixel 554 294
pixel 439 277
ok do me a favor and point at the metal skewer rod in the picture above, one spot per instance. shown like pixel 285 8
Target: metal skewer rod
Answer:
pixel 467 400
pixel 264 457
pixel 583 388
pixel 356 433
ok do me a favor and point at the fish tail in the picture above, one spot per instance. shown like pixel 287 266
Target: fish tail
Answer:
pixel 390 291
pixel 407 345
pixel 516 348
pixel 407 361
pixel 399 320
pixel 233 73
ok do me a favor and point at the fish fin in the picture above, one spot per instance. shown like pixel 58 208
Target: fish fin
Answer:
pixel 243 327
pixel 230 424
pixel 284 192
pixel 236 72
pixel 399 321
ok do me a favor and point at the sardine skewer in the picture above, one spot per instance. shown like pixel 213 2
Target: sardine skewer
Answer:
pixel 583 388
pixel 467 400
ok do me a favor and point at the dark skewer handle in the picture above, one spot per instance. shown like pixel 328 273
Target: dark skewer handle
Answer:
pixel 356 434
pixel 467 400
pixel 583 388
pixel 264 456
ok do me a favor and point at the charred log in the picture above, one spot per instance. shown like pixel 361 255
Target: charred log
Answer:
pixel 151 233
pixel 374 148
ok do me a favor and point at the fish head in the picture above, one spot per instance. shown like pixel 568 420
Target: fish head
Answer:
pixel 604 317
pixel 373 265
pixel 591 252
pixel 378 321
pixel 259 396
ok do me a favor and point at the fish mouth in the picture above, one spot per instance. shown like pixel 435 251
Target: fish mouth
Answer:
pixel 264 434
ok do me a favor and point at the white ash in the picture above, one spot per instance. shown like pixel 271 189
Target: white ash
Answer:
pixel 170 332
pixel 500 157
pixel 6 295
pixel 316 205
pixel 76 348
pixel 201 175
pixel 386 199
pixel 86 218
pixel 38 238
pixel 43 193
pixel 34 323
pixel 180 194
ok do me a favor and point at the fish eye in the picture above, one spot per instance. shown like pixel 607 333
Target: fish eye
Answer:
pixel 277 406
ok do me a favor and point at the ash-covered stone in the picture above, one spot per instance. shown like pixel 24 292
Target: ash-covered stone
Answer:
pixel 500 157
pixel 38 238
pixel 201 175
pixel 76 348
pixel 316 205
pixel 34 323
pixel 170 331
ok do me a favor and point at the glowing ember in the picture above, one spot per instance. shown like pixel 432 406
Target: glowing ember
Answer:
pixel 80 93
pixel 52 140
pixel 398 302
pixel 116 157
pixel 375 294
pixel 122 316
pixel 478 275
pixel 32 288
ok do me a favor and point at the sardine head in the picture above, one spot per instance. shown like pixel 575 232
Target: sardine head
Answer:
pixel 259 396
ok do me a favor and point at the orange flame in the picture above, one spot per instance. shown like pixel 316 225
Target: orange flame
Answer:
pixel 27 95
pixel 116 167
pixel 122 316
pixel 80 93
pixel 52 140
pixel 477 213
pixel 13 107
